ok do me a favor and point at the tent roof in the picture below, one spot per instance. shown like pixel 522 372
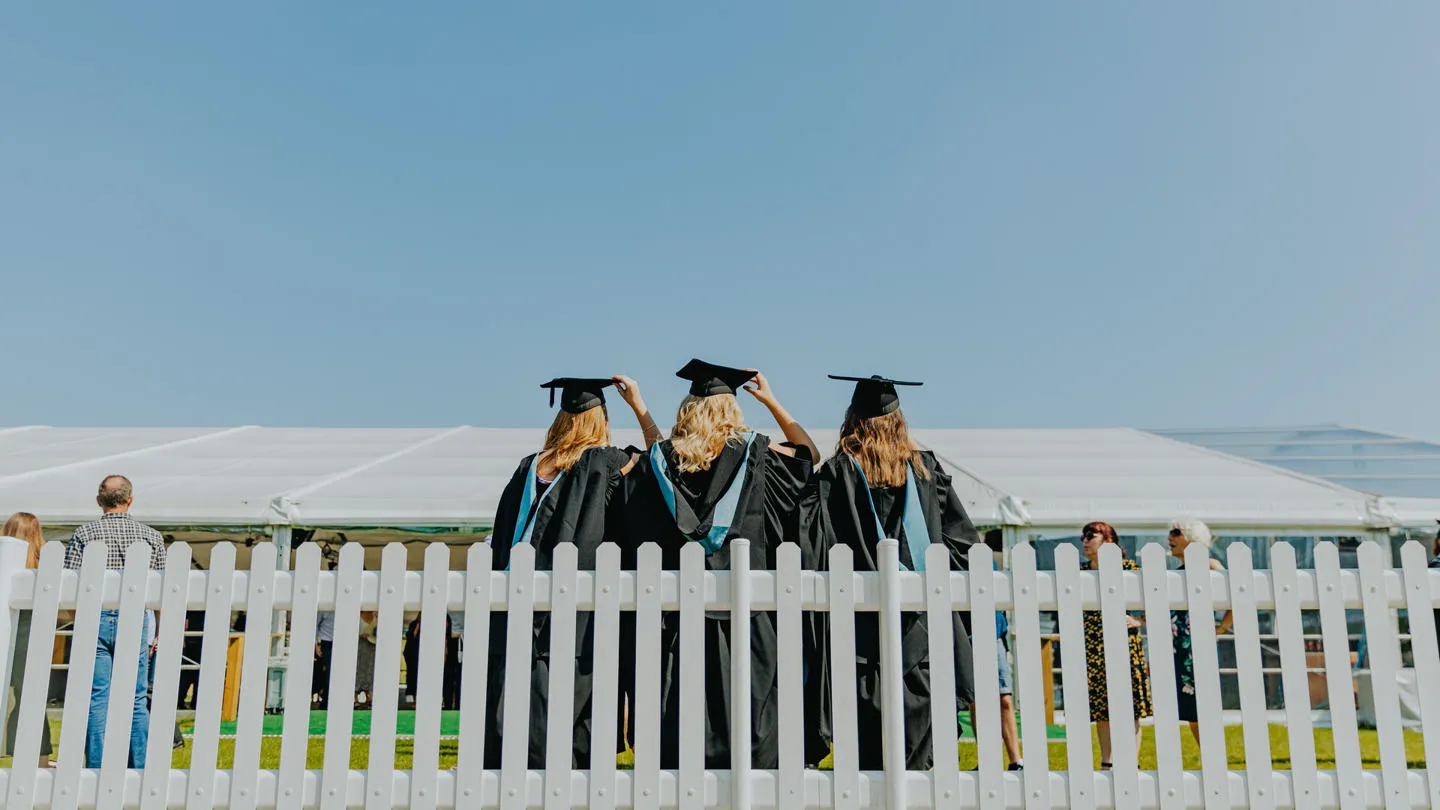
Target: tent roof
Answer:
pixel 253 476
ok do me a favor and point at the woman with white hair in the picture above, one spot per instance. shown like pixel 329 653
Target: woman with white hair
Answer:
pixel 1182 534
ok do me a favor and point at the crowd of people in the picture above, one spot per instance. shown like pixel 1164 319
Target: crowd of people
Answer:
pixel 711 481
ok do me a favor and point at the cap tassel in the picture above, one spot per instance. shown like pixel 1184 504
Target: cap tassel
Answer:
pixel 552 397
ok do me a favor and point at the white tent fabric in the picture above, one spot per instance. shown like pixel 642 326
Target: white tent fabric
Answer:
pixel 437 477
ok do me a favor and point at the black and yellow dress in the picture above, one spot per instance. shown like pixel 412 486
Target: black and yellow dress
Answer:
pixel 1095 666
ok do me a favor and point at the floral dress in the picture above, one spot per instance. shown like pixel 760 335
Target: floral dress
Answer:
pixel 1095 666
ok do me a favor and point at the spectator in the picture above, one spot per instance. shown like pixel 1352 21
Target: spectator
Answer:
pixel 412 658
pixel 118 532
pixel 1093 536
pixel 24 526
pixel 1009 730
pixel 365 660
pixel 1182 534
pixel 324 645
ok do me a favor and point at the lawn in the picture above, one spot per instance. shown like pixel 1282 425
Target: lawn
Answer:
pixel 1234 740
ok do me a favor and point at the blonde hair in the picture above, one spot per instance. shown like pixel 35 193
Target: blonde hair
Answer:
pixel 702 428
pixel 882 445
pixel 571 434
pixel 1195 531
pixel 26 527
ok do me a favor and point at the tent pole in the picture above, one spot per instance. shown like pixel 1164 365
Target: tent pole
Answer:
pixel 274 693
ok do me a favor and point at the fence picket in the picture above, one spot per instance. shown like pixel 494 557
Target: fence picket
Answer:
pixel 425 760
pixel 1259 773
pixel 1120 697
pixel 155 784
pixel 470 762
pixel 1423 647
pixel 1213 763
pixel 1029 683
pixel 844 722
pixel 987 677
pixel 254 678
pixel 940 617
pixel 645 716
pixel 560 707
pixel 389 630
pixel 892 707
pixel 1160 637
pixel 1384 651
pixel 605 703
pixel 340 710
pixel 1078 750
pixel 692 675
pixel 1338 677
pixel 90 588
pixel 1304 784
pixel 791 683
pixel 740 675
pixel 44 613
pixel 210 694
pixel 299 669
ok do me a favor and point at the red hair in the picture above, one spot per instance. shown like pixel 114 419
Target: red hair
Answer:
pixel 1105 531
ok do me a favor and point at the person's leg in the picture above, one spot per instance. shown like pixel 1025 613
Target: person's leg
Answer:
pixel 1137 737
pixel 322 673
pixel 1009 733
pixel 100 690
pixel 1103 727
pixel 1195 732
pixel 140 722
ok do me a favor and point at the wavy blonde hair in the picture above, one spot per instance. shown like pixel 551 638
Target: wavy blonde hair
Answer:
pixel 703 426
pixel 26 527
pixel 882 445
pixel 571 434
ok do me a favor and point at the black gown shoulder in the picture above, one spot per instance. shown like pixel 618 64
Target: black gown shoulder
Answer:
pixel 575 509
pixel 772 486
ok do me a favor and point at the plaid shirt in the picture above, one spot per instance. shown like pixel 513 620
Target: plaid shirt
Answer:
pixel 118 531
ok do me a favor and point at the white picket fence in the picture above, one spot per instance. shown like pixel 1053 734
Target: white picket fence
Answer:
pixel 788 591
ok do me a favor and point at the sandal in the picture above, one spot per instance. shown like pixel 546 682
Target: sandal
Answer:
pixel 1105 766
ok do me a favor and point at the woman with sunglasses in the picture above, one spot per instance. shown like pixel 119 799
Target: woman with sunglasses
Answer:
pixel 1183 534
pixel 1092 537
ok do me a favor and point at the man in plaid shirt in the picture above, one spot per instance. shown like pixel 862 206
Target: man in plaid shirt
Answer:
pixel 118 532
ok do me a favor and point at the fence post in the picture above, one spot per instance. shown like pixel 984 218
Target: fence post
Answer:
pixel 892 705
pixel 12 562
pixel 740 686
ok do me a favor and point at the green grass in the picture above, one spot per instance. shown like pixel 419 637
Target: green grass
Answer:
pixel 1234 744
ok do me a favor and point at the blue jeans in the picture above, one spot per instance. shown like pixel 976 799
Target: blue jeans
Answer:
pixel 100 694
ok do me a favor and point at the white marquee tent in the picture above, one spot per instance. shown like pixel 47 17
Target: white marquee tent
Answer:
pixel 452 477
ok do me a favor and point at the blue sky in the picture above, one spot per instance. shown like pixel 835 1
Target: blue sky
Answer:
pixel 1060 214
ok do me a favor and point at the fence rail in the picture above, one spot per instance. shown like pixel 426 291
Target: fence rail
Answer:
pixel 789 593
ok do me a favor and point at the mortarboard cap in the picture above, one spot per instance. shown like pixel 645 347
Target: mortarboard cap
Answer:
pixel 874 396
pixel 578 394
pixel 708 379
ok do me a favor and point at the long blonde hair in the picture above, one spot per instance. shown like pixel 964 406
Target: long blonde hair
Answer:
pixel 571 434
pixel 882 445
pixel 26 527
pixel 702 428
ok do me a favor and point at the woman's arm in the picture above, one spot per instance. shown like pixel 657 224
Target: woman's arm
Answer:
pixel 760 389
pixel 630 392
pixel 1228 620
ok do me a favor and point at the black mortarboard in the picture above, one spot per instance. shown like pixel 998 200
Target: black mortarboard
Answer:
pixel 708 379
pixel 578 394
pixel 874 396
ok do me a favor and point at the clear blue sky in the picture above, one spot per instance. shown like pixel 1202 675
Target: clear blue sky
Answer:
pixel 1057 214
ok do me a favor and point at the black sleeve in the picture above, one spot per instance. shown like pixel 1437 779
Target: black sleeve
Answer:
pixel 507 515
pixel 787 483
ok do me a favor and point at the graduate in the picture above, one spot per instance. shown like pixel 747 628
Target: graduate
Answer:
pixel 880 484
pixel 712 481
pixel 568 492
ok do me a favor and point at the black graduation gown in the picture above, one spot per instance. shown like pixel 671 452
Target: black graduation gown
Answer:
pixel 583 511
pixel 845 516
pixel 767 514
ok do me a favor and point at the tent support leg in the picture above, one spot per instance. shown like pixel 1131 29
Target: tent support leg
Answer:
pixel 275 675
